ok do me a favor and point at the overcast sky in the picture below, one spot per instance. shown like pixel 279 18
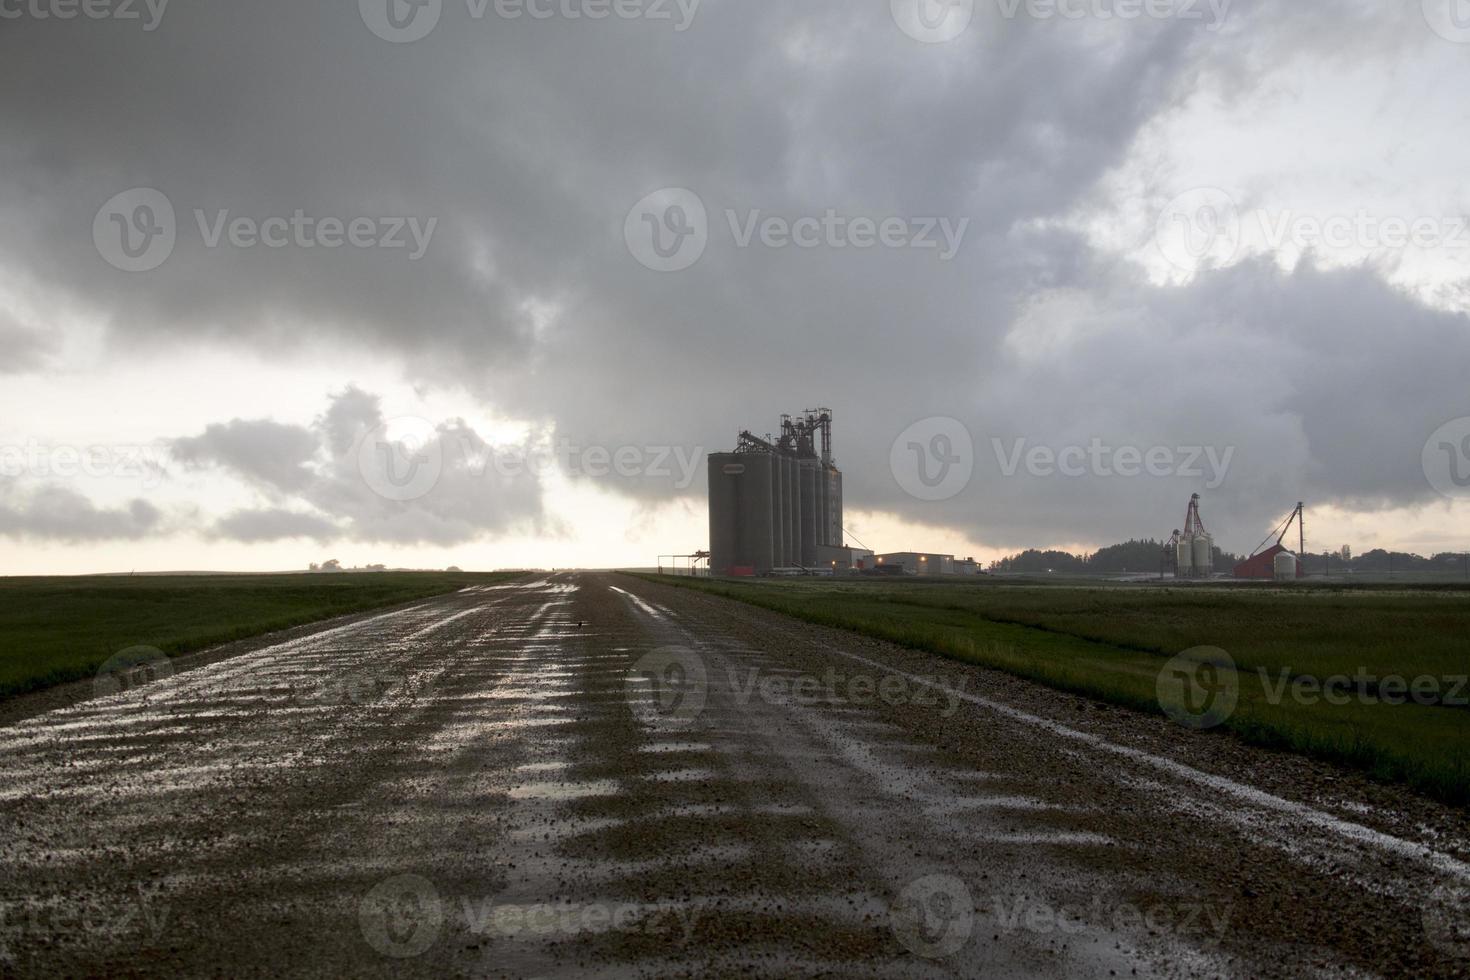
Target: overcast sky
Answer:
pixel 479 283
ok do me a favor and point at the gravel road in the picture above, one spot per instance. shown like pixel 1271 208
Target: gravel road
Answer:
pixel 593 775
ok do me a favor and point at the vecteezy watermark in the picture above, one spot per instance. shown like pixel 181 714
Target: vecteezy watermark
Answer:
pixel 934 916
pixel 1362 687
pixel 1447 459
pixel 137 230
pixel 1199 227
pixel 1450 19
pixel 1098 459
pixel 809 690
pixel 1446 918
pixel 404 459
pixel 38 925
pixel 933 21
pixel 1027 913
pixel 66 462
pixel 149 12
pixel 1204 227
pixel 669 230
pixel 838 231
pixel 406 21
pixel 667 687
pixel 404 916
pixel 933 459
pixel 401 459
pixel 1209 14
pixel 1199 688
pixel 401 21
pixel 131 668
pixel 942 21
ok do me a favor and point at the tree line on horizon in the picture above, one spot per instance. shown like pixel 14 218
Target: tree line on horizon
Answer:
pixel 1147 555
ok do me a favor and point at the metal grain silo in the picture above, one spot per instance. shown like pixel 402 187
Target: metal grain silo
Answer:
pixel 724 510
pixel 1203 555
pixel 740 514
pixel 836 507
pixel 809 468
pixel 778 512
pixel 757 540
pixel 1185 556
pixel 1285 564
pixel 792 483
pixel 824 508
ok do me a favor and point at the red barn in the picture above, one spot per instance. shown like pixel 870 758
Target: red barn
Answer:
pixel 1263 565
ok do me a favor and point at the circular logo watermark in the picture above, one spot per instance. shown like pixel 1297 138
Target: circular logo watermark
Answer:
pixel 401 459
pixel 1447 459
pixel 1199 227
pixel 934 459
pixel 400 21
pixel 1199 688
pixel 135 231
pixel 131 668
pixel 667 687
pixel 934 916
pixel 401 917
pixel 1450 19
pixel 668 230
pixel 933 21
pixel 1447 920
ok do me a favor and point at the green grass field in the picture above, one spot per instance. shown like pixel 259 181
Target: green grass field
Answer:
pixel 54 630
pixel 1112 642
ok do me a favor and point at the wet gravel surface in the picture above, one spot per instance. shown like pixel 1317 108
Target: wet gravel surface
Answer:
pixel 592 775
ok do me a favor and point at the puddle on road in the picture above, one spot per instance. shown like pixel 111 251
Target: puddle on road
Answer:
pixel 822 847
pixel 661 748
pixel 565 790
pixel 693 810
pixel 682 776
pixel 955 804
pixel 536 722
pixel 784 810
pixel 543 767
pixel 650 610
pixel 973 776
pixel 1058 838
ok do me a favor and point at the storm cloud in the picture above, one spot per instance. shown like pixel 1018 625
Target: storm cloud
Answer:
pixel 524 144
pixel 58 513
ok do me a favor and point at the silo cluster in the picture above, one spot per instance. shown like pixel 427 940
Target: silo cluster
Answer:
pixel 774 502
pixel 1194 547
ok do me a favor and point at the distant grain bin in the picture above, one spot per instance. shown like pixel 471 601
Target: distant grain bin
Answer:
pixel 1192 550
pixel 773 503
pixel 1285 566
pixel 1204 555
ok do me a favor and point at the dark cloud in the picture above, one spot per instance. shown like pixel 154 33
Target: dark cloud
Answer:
pixel 268 454
pixel 252 526
pixel 22 349
pixel 1322 385
pixel 57 513
pixel 529 141
pixel 358 475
